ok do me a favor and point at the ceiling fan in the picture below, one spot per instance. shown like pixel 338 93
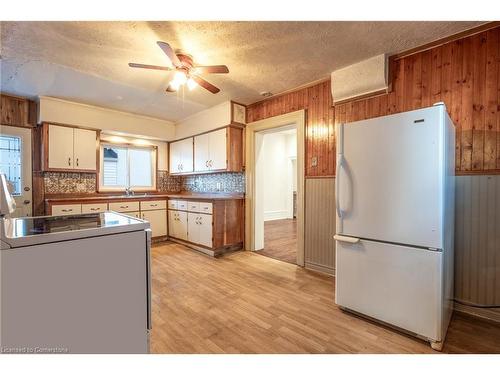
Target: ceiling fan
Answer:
pixel 185 70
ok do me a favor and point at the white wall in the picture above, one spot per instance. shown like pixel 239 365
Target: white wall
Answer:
pixel 276 174
pixel 206 120
pixel 66 112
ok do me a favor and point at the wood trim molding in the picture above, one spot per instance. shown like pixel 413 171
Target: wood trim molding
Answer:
pixel 299 118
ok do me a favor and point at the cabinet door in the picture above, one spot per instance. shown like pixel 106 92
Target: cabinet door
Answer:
pixel 84 150
pixel 175 158
pixel 187 155
pixel 193 227
pixel 201 154
pixel 136 214
pixel 218 149
pixel 205 230
pixel 157 220
pixel 61 147
pixel 172 223
pixel 182 225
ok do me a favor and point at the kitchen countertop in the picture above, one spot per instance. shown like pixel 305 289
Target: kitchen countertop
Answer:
pixel 110 197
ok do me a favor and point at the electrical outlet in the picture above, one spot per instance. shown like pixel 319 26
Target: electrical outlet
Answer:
pixel 314 161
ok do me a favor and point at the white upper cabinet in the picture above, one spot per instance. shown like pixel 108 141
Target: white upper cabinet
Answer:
pixel 210 151
pixel 217 147
pixel 201 152
pixel 84 149
pixel 60 147
pixel 181 156
pixel 71 148
pixel 218 150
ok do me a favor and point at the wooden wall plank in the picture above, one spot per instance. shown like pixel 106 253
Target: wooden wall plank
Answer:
pixel 464 73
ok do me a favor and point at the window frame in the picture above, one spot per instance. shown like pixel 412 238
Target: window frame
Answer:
pixel 128 146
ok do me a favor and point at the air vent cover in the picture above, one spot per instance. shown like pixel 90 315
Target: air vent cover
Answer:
pixel 360 79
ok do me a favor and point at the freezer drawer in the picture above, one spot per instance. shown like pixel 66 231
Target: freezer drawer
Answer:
pixel 395 284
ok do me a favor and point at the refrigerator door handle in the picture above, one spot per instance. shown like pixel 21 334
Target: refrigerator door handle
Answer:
pixel 338 237
pixel 149 323
pixel 337 186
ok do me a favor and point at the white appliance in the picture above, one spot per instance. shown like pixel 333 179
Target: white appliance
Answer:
pixel 395 220
pixel 75 284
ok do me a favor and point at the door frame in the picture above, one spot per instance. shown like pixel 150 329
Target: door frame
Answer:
pixel 298 118
pixel 26 134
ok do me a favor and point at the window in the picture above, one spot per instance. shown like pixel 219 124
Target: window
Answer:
pixel 124 166
pixel 10 161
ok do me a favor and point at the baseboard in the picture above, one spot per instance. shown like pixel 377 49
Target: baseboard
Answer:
pixel 320 268
pixel 479 312
pixel 276 215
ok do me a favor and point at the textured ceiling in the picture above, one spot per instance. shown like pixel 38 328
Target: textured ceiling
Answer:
pixel 87 61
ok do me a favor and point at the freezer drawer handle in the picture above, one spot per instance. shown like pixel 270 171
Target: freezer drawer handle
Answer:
pixel 346 239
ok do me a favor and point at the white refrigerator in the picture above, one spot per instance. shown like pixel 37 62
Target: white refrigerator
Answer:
pixel 395 220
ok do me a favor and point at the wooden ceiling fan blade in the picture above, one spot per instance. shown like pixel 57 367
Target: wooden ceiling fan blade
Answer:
pixel 170 53
pixel 147 66
pixel 222 69
pixel 205 84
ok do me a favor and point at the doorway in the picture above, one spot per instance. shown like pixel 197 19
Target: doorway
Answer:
pixel 15 163
pixel 275 187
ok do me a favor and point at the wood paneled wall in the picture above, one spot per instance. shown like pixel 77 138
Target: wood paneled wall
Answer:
pixel 16 111
pixel 465 74
pixel 477 240
pixel 320 129
pixel 320 214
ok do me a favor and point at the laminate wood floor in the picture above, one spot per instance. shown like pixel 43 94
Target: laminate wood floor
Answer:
pixel 247 303
pixel 280 240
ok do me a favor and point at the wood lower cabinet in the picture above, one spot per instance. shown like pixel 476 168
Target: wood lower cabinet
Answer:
pixel 157 220
pixel 212 227
pixel 153 211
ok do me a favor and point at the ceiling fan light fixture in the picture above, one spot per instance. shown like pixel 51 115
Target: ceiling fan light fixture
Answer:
pixel 191 84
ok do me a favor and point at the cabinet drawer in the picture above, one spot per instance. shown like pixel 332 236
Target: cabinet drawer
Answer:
pixel 206 207
pixel 172 204
pixel 182 205
pixel 194 206
pixel 153 205
pixel 66 209
pixel 124 206
pixel 90 208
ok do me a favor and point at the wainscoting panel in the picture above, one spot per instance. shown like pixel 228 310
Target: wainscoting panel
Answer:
pixel 477 240
pixel 320 224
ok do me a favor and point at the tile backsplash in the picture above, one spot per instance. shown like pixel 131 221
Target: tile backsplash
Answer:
pixel 167 183
pixel 69 183
pixel 85 183
pixel 215 182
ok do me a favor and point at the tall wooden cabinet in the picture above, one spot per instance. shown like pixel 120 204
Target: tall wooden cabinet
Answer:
pixel 67 148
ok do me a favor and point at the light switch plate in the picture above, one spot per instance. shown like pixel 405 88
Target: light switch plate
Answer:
pixel 314 161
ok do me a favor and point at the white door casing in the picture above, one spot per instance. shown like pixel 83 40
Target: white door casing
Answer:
pixel 251 131
pixel 24 200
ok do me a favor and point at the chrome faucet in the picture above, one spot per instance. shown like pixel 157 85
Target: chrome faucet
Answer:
pixel 129 191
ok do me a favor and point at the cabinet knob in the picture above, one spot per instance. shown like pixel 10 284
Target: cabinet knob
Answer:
pixel 77 162
pixel 69 161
